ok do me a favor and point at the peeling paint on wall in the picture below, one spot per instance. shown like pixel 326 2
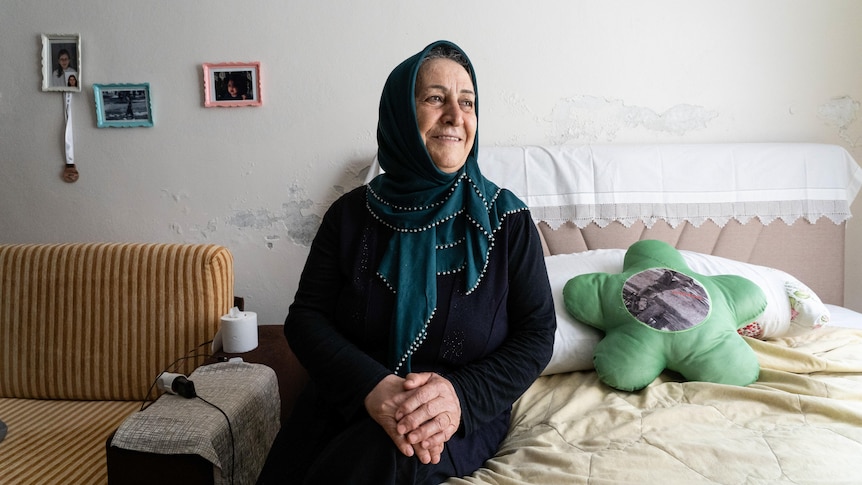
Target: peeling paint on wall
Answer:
pixel 271 240
pixel 353 176
pixel 176 197
pixel 204 231
pixel 592 119
pixel 301 228
pixel 842 113
pixel 516 103
pixel 296 217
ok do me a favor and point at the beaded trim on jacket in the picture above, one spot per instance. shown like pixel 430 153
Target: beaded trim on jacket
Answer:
pixel 423 333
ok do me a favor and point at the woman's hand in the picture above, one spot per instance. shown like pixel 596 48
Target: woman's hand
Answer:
pixel 382 404
pixel 430 415
pixel 419 413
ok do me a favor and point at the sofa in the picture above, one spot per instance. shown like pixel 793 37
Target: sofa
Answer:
pixel 85 328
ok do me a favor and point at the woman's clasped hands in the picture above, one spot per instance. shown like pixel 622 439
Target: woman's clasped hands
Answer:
pixel 419 412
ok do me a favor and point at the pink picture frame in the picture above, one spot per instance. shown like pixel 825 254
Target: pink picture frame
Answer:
pixel 232 84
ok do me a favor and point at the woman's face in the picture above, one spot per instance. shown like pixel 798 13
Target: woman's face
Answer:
pixel 446 112
pixel 64 61
pixel 231 88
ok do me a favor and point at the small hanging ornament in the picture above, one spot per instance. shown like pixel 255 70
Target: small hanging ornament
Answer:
pixel 70 172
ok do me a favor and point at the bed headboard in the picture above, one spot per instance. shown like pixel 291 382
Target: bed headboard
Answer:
pixel 782 205
pixel 814 253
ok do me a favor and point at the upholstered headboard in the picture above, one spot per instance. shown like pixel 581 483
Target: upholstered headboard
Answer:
pixel 782 205
pixel 814 253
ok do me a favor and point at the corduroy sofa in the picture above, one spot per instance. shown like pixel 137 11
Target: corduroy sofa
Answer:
pixel 85 328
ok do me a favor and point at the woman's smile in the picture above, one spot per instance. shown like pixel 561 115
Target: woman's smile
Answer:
pixel 445 112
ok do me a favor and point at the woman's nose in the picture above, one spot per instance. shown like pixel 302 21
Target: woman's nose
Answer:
pixel 452 114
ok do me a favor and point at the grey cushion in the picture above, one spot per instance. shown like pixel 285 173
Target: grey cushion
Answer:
pixel 2 430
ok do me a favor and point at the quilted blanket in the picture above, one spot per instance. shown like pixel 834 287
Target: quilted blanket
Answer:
pixel 800 423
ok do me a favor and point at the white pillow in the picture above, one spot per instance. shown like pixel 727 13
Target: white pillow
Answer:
pixel 575 341
pixel 791 305
pixel 808 311
pixel 775 319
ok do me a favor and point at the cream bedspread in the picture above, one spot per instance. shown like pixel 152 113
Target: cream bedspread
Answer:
pixel 801 422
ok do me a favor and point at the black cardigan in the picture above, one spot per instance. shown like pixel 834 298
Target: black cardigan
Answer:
pixel 491 344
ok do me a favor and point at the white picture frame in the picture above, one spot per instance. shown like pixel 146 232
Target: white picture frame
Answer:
pixel 61 62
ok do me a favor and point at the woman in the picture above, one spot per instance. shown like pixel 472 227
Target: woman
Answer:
pixel 62 71
pixel 424 309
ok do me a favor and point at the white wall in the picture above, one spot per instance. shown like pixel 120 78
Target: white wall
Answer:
pixel 257 179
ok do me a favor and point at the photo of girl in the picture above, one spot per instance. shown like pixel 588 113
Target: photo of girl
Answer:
pixel 231 84
pixel 63 68
pixel 234 86
pixel 61 63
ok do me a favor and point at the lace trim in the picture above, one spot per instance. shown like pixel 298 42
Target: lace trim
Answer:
pixel 695 214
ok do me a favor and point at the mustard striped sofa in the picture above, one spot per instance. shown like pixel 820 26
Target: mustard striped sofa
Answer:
pixel 84 330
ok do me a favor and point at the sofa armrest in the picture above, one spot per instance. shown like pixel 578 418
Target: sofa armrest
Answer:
pixel 129 467
pixel 244 394
pixel 125 466
pixel 273 351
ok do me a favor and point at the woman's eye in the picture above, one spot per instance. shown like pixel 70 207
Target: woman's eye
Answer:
pixel 467 103
pixel 435 99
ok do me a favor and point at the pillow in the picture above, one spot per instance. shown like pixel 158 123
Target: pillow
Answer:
pixel 808 310
pixel 660 314
pixel 2 430
pixel 791 306
pixel 575 342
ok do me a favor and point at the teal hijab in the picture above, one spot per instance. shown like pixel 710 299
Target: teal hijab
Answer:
pixel 442 222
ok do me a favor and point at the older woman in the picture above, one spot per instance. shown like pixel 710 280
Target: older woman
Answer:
pixel 424 308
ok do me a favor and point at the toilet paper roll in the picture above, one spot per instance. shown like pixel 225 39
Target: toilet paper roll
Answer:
pixel 238 332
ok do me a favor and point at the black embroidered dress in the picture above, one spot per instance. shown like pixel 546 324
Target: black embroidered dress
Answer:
pixel 490 344
pixel 418 271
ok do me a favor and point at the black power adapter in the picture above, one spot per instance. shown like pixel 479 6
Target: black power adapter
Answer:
pixel 176 384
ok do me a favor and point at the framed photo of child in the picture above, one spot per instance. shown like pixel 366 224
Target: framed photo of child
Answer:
pixel 61 62
pixel 123 105
pixel 232 84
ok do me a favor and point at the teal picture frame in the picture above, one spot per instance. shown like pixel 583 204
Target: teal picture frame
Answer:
pixel 123 105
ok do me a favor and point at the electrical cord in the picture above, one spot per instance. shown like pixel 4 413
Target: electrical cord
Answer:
pixel 144 404
pixel 170 367
pixel 232 443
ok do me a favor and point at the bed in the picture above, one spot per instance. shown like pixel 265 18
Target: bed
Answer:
pixel 774 213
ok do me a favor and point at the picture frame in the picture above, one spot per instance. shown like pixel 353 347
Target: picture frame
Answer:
pixel 61 62
pixel 123 105
pixel 232 84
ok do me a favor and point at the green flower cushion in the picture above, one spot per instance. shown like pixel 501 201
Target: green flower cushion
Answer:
pixel 659 314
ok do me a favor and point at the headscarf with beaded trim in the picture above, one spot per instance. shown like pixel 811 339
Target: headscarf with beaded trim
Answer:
pixel 442 222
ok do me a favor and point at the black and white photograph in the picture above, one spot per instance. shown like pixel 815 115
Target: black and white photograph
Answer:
pixel 123 105
pixel 61 62
pixel 232 84
pixel 666 299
